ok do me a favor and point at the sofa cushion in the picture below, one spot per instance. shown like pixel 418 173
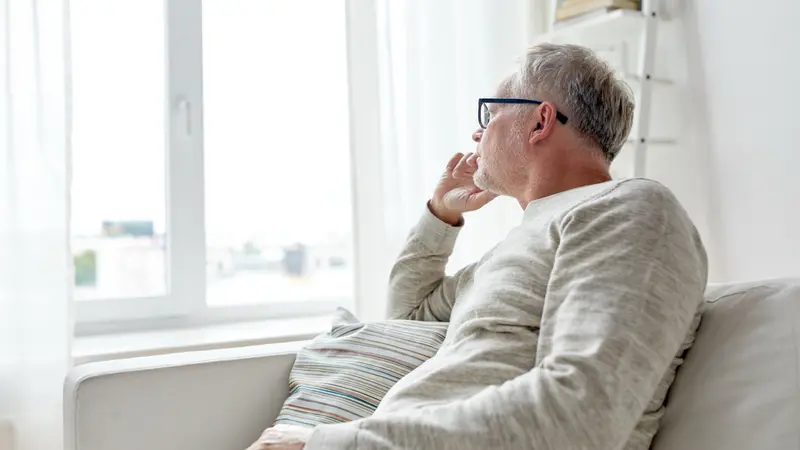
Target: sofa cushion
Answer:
pixel 344 374
pixel 739 387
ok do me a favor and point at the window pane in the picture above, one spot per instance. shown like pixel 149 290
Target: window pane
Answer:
pixel 277 165
pixel 118 148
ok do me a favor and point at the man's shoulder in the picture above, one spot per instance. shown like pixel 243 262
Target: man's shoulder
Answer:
pixel 636 204
pixel 639 195
pixel 630 200
pixel 633 211
pixel 646 191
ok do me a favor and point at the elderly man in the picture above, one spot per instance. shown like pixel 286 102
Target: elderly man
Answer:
pixel 565 335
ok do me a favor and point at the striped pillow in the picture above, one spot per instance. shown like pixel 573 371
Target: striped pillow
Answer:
pixel 342 375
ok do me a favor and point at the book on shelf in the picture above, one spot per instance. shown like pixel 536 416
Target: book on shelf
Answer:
pixel 566 23
pixel 570 9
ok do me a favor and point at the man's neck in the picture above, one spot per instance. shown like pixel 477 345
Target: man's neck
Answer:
pixel 542 185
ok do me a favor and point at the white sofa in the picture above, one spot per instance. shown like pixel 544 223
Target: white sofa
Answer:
pixel 738 389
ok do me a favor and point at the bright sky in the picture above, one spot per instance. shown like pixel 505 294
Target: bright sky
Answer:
pixel 276 125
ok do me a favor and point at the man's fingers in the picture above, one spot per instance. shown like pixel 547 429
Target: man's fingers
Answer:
pixel 462 164
pixel 471 161
pixel 451 165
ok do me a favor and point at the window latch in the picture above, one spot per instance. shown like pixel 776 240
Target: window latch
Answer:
pixel 184 116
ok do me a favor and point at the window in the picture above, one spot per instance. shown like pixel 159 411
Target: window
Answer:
pixel 211 159
pixel 119 200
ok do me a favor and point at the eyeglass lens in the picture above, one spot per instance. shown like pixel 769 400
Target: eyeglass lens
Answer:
pixel 486 116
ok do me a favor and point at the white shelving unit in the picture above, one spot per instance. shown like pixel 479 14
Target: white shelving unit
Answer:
pixel 614 29
pixel 607 29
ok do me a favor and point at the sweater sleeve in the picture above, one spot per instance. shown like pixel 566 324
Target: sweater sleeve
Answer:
pixel 418 286
pixel 629 277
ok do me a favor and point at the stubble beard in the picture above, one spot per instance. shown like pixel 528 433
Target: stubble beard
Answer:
pixel 503 176
pixel 486 182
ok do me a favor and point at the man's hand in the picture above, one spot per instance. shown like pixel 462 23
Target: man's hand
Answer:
pixel 456 192
pixel 282 437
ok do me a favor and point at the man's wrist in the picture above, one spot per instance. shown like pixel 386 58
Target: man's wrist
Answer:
pixel 451 218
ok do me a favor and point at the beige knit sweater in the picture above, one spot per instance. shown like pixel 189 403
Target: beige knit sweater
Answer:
pixel 564 336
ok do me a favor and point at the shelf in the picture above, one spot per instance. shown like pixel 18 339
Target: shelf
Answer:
pixel 654 80
pixel 595 30
pixel 654 141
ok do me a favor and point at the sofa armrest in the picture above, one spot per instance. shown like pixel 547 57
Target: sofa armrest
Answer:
pixel 210 400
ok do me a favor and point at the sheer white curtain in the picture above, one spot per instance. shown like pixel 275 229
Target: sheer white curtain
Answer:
pixel 35 270
pixel 435 59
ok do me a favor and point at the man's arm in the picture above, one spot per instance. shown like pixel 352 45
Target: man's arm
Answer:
pixel 629 275
pixel 418 287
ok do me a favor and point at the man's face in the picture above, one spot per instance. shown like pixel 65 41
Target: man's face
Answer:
pixel 499 148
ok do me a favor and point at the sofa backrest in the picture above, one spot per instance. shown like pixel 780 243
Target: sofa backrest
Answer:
pixel 739 387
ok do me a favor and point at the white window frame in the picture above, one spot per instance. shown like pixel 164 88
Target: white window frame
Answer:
pixel 185 303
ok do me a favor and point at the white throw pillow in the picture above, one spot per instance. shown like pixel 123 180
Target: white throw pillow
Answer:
pixel 740 385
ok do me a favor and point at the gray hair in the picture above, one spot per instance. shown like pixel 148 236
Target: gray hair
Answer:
pixel 597 102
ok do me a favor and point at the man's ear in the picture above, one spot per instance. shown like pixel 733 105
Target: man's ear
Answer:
pixel 545 119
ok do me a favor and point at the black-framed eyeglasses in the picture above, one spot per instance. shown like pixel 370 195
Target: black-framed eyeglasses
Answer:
pixel 484 115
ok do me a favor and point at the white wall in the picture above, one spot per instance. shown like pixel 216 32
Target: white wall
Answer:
pixel 746 55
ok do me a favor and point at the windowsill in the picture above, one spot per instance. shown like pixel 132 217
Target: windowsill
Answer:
pixel 104 347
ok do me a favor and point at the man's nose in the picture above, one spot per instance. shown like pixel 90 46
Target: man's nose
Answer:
pixel 477 135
